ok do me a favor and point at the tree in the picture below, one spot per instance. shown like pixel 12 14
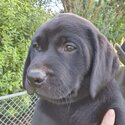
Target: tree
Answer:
pixel 107 15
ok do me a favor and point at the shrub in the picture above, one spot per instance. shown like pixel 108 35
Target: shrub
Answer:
pixel 18 21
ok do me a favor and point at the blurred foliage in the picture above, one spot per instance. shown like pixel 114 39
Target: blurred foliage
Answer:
pixel 18 21
pixel 107 15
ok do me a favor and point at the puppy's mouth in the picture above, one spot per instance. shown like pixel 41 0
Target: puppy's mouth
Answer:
pixel 68 99
pixel 54 93
pixel 51 89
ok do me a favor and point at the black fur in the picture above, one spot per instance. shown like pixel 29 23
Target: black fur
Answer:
pixel 72 66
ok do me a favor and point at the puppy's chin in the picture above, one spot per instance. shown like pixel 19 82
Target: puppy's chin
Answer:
pixel 59 101
pixel 52 93
pixel 72 97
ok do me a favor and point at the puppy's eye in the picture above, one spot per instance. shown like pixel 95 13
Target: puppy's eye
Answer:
pixel 36 46
pixel 69 47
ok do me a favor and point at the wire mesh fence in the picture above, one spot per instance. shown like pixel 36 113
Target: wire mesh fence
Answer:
pixel 17 109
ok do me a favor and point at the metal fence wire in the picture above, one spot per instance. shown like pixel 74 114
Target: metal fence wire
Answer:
pixel 17 109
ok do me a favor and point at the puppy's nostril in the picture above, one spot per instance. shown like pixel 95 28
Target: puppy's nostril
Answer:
pixel 36 77
pixel 38 80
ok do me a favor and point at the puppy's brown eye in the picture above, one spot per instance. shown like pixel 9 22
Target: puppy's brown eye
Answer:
pixel 69 47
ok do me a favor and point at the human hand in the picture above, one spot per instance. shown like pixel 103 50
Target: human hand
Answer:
pixel 109 118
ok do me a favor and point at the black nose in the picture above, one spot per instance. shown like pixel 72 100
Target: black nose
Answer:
pixel 36 77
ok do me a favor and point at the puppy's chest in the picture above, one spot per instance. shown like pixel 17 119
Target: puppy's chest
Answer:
pixel 73 115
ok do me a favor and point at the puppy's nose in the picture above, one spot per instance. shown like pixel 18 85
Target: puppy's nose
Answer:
pixel 36 77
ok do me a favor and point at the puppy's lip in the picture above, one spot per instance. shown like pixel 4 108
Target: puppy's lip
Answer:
pixel 30 90
pixel 61 100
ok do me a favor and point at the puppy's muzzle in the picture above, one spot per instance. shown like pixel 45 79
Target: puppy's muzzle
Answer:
pixel 36 77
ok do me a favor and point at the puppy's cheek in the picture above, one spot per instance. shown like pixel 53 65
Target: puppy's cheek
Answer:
pixel 52 93
pixel 30 89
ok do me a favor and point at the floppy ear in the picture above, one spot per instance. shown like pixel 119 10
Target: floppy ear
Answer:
pixel 104 66
pixel 26 65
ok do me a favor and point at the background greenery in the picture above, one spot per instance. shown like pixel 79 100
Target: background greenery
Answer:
pixel 20 19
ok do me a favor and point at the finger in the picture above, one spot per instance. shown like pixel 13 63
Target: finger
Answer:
pixel 109 118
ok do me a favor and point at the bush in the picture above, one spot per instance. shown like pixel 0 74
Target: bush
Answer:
pixel 18 21
pixel 109 18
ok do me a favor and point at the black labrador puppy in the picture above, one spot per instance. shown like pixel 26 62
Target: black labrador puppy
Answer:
pixel 71 66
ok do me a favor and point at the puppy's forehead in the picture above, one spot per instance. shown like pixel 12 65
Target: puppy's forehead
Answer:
pixel 65 24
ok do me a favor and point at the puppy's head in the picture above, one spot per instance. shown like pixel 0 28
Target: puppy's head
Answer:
pixel 68 59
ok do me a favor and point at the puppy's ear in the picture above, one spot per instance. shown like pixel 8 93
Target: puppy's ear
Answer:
pixel 26 65
pixel 104 66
